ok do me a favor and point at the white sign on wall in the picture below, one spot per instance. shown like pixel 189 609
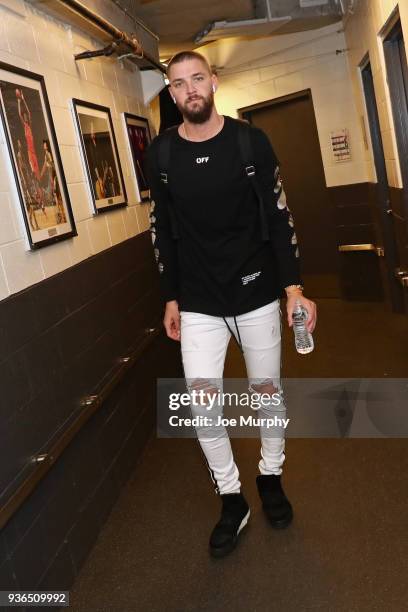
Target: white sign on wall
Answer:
pixel 340 142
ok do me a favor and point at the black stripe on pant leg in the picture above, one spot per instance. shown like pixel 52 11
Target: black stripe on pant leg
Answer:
pixel 212 475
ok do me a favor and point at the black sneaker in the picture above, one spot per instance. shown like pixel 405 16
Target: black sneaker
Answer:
pixel 276 505
pixel 234 516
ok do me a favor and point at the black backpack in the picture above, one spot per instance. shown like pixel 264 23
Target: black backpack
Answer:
pixel 248 163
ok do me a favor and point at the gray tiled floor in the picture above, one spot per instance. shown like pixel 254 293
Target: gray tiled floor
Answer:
pixel 347 549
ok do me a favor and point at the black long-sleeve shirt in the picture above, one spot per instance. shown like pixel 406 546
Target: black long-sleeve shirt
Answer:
pixel 220 265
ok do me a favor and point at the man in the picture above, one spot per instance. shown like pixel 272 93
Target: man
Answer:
pixel 26 120
pixel 223 262
pixel 27 186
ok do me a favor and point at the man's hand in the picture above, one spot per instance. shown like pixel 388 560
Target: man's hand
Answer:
pixel 292 296
pixel 171 320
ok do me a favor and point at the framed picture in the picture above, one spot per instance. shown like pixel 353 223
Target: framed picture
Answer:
pixel 35 158
pixel 139 138
pixel 100 155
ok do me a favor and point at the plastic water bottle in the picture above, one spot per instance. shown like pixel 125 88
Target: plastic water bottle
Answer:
pixel 303 339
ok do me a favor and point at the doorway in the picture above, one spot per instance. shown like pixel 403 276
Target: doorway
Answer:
pixel 397 76
pixel 383 220
pixel 290 124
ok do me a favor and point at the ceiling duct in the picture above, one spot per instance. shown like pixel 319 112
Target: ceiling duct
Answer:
pixel 277 17
pixel 309 3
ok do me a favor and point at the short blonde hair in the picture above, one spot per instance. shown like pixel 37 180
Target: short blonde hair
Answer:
pixel 182 56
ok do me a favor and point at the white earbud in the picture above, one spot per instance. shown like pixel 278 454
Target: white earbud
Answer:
pixel 174 99
pixel 213 88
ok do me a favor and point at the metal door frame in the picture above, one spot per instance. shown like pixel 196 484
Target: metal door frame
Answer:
pixel 304 93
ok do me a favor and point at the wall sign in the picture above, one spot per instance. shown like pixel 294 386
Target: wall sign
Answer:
pixel 340 142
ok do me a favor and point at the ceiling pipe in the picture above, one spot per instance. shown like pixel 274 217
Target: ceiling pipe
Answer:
pixel 129 15
pixel 106 51
pixel 118 35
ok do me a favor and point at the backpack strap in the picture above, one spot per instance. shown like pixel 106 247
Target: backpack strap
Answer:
pixel 163 159
pixel 248 158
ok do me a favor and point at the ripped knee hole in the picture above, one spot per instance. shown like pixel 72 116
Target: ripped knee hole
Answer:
pixel 204 390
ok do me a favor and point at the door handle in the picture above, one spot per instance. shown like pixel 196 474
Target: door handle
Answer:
pixel 402 276
pixel 356 247
pixel 347 248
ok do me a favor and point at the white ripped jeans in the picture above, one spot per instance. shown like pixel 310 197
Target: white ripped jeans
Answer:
pixel 204 342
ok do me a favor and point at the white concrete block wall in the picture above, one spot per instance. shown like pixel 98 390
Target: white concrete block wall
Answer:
pixel 32 39
pixel 281 65
pixel 364 35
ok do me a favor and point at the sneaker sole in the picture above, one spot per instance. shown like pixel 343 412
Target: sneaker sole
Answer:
pixel 282 523
pixel 221 552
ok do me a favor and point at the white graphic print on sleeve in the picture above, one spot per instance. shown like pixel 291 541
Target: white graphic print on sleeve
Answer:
pixel 152 220
pixel 282 200
pixel 282 205
pixel 156 251
pixel 278 188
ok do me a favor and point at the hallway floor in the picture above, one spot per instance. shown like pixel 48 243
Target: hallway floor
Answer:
pixel 347 548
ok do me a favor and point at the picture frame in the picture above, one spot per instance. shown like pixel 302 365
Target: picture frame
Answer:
pixel 35 159
pixel 139 138
pixel 100 155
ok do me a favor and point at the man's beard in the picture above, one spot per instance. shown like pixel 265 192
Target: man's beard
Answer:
pixel 199 115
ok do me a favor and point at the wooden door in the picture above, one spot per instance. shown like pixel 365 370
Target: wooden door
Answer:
pixel 291 126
